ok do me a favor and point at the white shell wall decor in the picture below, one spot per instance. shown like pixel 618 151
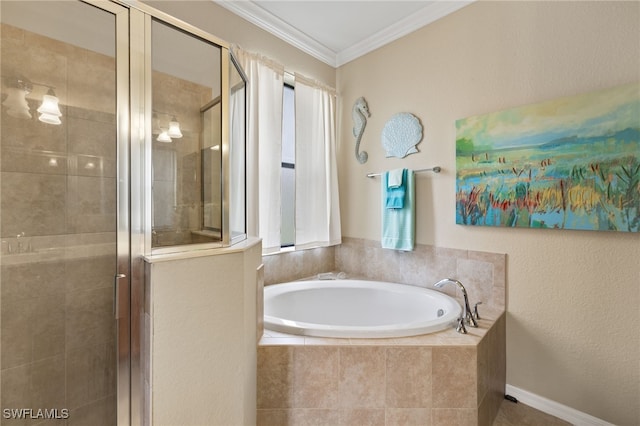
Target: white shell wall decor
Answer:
pixel 401 134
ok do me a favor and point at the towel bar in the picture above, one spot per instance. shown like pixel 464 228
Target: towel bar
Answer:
pixel 435 169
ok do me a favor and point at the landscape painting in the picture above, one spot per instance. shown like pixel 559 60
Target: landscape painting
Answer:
pixel 570 163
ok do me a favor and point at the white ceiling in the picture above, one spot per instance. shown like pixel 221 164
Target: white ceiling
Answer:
pixel 339 31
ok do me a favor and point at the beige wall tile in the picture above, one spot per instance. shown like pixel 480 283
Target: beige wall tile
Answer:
pixel 275 377
pixel 18 379
pixel 484 358
pixel 273 417
pixel 291 266
pixel 99 413
pixel 454 417
pixel 362 417
pixel 260 302
pixel 315 379
pixel 362 377
pixel 30 280
pixel 481 273
pixel 408 417
pixel 90 84
pixel 315 417
pixel 92 151
pixel 89 319
pixel 19 159
pixel 87 378
pixel 408 377
pixel 90 272
pixel 91 204
pixel 454 377
pixel 33 204
pixel 16 334
pixel 477 277
pixel 48 383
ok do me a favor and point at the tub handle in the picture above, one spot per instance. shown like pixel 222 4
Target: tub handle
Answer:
pixel 461 328
pixel 475 310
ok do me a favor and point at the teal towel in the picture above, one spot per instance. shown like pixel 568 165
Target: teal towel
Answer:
pixel 399 225
pixel 394 194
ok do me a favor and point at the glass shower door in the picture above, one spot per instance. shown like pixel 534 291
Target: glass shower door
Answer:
pixel 63 213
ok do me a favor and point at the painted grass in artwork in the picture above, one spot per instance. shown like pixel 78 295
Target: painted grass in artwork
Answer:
pixel 572 181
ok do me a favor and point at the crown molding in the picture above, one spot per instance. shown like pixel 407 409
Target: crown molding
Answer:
pixel 425 16
pixel 260 17
pixel 276 26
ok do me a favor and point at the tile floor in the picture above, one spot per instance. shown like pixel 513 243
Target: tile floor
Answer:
pixel 512 414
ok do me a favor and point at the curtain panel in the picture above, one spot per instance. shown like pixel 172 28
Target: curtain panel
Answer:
pixel 317 206
pixel 264 146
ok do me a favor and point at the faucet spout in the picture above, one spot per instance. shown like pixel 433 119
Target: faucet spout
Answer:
pixel 467 314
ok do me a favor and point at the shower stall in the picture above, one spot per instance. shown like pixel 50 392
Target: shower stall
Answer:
pixel 121 136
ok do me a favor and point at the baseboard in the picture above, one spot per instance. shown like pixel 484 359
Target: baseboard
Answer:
pixel 555 409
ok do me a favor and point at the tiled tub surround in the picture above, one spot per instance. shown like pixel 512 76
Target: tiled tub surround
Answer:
pixel 443 378
pixel 483 274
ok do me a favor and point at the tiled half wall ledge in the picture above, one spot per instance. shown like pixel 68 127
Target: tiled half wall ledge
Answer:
pixel 443 378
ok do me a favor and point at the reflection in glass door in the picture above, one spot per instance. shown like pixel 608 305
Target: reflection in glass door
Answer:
pixel 62 235
pixel 186 137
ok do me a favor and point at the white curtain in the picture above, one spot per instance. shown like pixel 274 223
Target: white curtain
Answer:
pixel 317 214
pixel 264 146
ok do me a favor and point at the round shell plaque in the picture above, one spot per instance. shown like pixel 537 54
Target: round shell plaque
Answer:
pixel 401 134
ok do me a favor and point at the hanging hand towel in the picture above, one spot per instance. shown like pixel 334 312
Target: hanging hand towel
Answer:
pixel 395 178
pixel 399 224
pixel 395 189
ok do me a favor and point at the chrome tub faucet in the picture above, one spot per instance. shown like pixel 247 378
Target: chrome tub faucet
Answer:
pixel 467 314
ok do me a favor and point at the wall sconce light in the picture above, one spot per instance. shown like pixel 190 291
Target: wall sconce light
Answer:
pixel 49 110
pixel 16 101
pixel 174 129
pixel 164 134
pixel 18 107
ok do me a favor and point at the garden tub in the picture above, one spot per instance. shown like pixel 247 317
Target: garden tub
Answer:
pixel 357 309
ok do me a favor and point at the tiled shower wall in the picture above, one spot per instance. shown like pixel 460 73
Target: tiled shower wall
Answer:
pixel 58 187
pixel 177 177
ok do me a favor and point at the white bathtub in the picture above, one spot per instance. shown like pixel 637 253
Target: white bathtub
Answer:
pixel 356 308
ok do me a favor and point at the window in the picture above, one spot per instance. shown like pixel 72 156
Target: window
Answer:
pixel 288 173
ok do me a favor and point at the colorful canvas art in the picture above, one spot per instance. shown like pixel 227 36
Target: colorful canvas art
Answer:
pixel 570 163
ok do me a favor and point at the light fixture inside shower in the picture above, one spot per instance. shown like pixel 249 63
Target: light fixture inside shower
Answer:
pixel 49 110
pixel 174 129
pixel 16 102
pixel 164 134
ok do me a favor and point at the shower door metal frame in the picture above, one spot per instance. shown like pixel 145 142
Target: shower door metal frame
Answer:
pixel 145 107
pixel 123 263
pixel 122 276
pixel 134 142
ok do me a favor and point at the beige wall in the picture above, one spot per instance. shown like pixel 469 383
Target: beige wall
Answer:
pixel 200 336
pixel 573 297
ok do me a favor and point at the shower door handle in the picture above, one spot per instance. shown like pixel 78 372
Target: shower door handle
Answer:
pixel 116 294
